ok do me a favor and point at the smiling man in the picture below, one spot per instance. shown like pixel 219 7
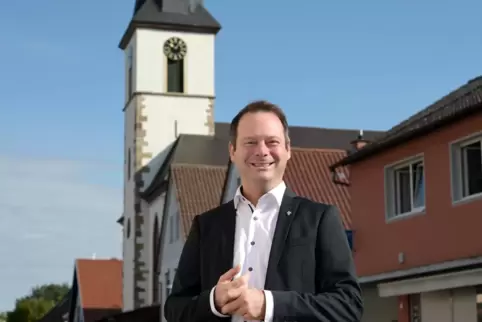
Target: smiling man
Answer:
pixel 267 255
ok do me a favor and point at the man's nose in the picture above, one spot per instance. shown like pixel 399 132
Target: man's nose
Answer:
pixel 262 148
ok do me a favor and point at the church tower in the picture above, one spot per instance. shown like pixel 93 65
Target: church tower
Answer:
pixel 169 90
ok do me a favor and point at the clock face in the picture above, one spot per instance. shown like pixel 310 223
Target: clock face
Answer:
pixel 175 48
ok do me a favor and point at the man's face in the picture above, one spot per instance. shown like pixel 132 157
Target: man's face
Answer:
pixel 261 151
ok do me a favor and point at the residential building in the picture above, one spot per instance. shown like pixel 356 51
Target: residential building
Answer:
pixel 96 290
pixel 416 201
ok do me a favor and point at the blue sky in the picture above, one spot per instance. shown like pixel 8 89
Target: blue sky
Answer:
pixel 366 65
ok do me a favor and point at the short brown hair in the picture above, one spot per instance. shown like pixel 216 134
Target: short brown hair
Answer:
pixel 255 107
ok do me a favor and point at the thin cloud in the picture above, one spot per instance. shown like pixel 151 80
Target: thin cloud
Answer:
pixel 53 211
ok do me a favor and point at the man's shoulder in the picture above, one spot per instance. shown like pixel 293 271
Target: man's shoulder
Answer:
pixel 214 213
pixel 308 204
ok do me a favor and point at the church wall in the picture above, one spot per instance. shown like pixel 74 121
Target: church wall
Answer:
pixel 172 243
pixel 129 216
pixel 154 210
pixel 151 62
pixel 169 116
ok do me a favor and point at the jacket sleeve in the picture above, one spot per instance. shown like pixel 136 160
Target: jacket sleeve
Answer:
pixel 338 294
pixel 187 303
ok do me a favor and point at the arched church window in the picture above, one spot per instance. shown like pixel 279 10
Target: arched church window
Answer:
pixel 130 62
pixel 129 166
pixel 128 228
pixel 156 241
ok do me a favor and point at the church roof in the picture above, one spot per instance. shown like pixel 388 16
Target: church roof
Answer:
pixel 174 15
pixel 198 189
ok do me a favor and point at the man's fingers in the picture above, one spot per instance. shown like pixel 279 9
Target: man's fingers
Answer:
pixel 229 275
pixel 241 281
pixel 234 292
pixel 231 307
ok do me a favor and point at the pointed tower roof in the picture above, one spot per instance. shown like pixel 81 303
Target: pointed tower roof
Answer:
pixel 175 15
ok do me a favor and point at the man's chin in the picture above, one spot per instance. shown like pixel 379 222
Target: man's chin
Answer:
pixel 262 176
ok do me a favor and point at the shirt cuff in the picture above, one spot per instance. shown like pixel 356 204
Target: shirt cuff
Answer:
pixel 268 314
pixel 213 307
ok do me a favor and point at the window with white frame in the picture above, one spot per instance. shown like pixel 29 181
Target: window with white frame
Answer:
pixel 467 168
pixel 405 188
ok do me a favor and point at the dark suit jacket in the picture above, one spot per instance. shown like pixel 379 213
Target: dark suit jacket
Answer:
pixel 310 270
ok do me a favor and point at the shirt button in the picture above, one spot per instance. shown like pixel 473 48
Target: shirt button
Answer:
pixel 250 269
pixel 252 243
pixel 255 218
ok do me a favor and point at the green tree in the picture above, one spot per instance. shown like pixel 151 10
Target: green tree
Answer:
pixel 51 292
pixel 3 316
pixel 35 305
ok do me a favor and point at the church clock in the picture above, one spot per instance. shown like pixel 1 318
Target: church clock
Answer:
pixel 175 48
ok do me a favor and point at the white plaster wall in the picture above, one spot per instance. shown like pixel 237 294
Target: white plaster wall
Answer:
pixel 156 209
pixel 171 114
pixel 163 112
pixel 145 252
pixel 151 62
pixel 378 309
pixel 128 243
pixel 171 251
pixel 456 305
pixel 131 48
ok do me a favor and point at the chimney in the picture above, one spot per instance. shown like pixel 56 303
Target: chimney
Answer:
pixel 360 142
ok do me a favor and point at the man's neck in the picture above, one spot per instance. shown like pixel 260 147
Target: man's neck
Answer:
pixel 253 193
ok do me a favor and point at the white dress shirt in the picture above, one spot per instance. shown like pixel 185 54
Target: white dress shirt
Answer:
pixel 255 228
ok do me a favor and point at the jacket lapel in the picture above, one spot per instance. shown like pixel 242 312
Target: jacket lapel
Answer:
pixel 286 215
pixel 227 231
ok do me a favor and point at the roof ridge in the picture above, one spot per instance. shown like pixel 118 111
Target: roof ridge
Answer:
pixel 326 150
pixel 190 165
pixel 452 97
pixel 98 260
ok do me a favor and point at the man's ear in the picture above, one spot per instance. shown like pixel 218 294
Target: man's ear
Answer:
pixel 288 148
pixel 231 149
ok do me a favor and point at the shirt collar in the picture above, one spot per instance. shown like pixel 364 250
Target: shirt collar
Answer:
pixel 277 192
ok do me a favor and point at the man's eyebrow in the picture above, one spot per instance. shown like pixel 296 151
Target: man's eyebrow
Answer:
pixel 258 137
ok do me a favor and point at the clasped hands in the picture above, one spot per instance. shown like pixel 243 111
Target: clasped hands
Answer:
pixel 233 297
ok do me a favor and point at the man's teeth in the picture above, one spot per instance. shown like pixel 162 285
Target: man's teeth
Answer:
pixel 261 165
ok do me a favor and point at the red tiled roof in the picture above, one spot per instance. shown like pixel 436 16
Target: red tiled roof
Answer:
pixel 100 283
pixel 308 175
pixel 198 189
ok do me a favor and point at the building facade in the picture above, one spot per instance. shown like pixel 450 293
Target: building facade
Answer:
pixel 417 210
